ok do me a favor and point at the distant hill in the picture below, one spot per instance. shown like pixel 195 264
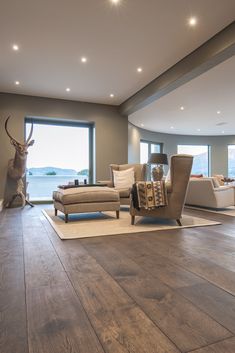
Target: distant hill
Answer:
pixel 51 171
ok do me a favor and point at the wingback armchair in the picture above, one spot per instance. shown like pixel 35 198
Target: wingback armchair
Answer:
pixel 180 169
pixel 140 174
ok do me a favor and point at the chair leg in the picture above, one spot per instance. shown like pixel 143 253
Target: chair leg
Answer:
pixel 132 220
pixel 117 214
pixel 66 217
pixel 56 211
pixel 179 222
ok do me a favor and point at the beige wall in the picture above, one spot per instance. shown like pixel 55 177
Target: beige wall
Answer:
pixel 110 127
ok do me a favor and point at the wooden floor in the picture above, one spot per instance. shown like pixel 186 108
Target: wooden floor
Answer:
pixel 160 292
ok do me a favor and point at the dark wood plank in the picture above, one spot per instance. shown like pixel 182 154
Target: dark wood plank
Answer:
pixel 57 322
pixel 227 346
pixel 187 326
pixel 159 266
pixel 120 324
pixel 13 329
pixel 214 301
pixel 208 270
pixel 120 299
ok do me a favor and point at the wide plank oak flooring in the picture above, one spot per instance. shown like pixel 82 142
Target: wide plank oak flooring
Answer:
pixel 157 292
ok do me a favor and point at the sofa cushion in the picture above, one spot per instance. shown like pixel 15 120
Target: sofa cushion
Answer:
pixel 124 192
pixel 123 179
pixel 86 195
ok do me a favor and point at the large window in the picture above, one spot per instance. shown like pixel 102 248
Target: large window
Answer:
pixel 231 161
pixel 146 148
pixel 62 152
pixel 201 157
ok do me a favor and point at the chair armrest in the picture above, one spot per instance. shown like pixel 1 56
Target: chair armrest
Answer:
pixel 109 183
pixel 223 188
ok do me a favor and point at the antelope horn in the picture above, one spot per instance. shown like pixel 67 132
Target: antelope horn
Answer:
pixel 30 134
pixel 6 122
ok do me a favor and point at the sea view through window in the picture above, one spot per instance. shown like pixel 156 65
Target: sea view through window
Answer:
pixel 59 155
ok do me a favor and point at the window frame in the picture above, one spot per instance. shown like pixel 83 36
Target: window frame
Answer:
pixel 208 152
pixel 149 143
pixel 58 122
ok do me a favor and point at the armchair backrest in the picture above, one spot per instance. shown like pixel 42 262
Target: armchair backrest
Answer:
pixel 180 170
pixel 140 170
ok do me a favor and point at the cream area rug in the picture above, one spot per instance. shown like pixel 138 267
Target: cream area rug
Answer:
pixel 85 225
pixel 228 211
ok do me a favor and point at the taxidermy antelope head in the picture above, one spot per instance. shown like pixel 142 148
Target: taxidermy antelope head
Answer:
pixel 17 165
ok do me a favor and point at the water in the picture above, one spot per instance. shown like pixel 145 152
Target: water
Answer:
pixel 43 186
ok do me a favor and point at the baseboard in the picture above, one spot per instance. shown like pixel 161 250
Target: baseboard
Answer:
pixel 1 205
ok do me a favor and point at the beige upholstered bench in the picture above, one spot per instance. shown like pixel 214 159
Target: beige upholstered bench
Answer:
pixel 86 199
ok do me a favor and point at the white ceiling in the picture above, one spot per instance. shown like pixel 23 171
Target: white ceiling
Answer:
pixel 202 98
pixel 54 34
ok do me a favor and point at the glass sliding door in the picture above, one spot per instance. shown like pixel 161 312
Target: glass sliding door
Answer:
pixel 61 153
pixel 201 154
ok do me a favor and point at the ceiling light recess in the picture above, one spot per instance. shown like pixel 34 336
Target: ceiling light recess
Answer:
pixel 192 21
pixel 111 95
pixel 181 108
pixel 68 89
pixel 15 47
pixel 17 83
pixel 139 69
pixel 83 59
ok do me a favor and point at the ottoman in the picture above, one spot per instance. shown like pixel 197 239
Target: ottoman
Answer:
pixel 89 199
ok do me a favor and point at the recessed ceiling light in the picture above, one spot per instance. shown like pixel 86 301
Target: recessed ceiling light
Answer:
pixel 17 83
pixel 111 95
pixel 115 1
pixel 68 89
pixel 198 129
pixel 83 59
pixel 181 108
pixel 172 127
pixel 192 21
pixel 15 47
pixel 218 111
pixel 223 132
pixel 139 69
pixel 142 125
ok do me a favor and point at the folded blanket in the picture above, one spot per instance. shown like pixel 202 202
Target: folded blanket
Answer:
pixel 149 194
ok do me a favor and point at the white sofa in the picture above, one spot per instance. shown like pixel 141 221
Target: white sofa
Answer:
pixel 205 192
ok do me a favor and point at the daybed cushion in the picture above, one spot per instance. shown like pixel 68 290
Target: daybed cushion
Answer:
pixel 86 195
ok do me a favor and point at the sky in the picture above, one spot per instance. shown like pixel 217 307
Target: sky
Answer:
pixel 59 146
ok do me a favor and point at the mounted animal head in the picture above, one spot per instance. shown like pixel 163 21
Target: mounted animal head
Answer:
pixel 21 148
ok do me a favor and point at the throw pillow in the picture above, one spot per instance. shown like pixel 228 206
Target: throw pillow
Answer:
pixel 219 178
pixel 123 179
pixel 216 183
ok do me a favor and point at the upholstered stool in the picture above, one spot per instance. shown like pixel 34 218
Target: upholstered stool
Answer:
pixel 86 199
